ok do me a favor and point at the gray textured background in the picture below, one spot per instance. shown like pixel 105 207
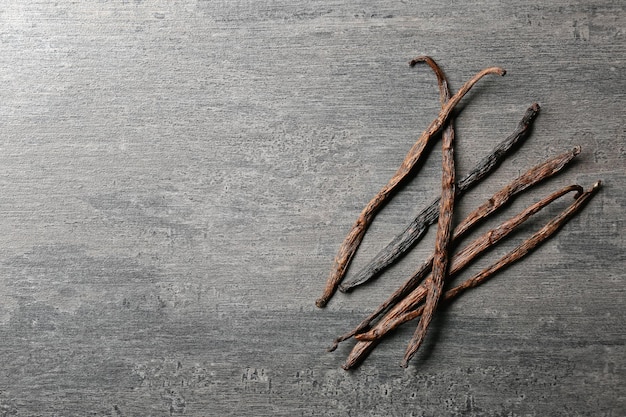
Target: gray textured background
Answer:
pixel 176 177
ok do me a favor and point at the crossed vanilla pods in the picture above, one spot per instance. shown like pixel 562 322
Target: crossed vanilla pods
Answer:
pixel 419 296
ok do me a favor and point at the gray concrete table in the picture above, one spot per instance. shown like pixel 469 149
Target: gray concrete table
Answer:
pixel 176 177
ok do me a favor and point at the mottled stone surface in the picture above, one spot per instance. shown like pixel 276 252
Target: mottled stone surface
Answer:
pixel 175 178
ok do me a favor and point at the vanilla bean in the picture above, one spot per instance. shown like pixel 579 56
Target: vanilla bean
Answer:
pixel 414 232
pixel 442 80
pixel 459 262
pixel 444 232
pixel 355 236
pixel 524 181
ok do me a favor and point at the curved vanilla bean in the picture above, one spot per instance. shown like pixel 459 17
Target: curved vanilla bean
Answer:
pixel 459 262
pixel 414 232
pixel 444 233
pixel 355 236
pixel 531 177
pixel 442 80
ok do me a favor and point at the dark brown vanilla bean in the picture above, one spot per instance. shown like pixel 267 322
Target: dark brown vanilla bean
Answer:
pixel 529 178
pixel 419 226
pixel 459 262
pixel 355 236
pixel 444 232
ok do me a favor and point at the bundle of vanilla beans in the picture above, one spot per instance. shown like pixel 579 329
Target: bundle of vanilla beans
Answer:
pixel 419 296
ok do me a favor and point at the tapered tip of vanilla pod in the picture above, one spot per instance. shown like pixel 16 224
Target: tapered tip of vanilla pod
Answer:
pixel 349 364
pixel 404 363
pixel 417 60
pixel 414 61
pixel 321 302
pixel 576 150
pixel 489 70
pixel 593 190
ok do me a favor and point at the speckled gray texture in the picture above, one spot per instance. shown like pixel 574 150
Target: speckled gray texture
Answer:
pixel 175 178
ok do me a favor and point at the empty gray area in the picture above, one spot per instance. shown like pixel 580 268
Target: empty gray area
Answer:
pixel 176 178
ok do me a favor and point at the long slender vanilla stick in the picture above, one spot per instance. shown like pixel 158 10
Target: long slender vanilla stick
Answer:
pixel 352 241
